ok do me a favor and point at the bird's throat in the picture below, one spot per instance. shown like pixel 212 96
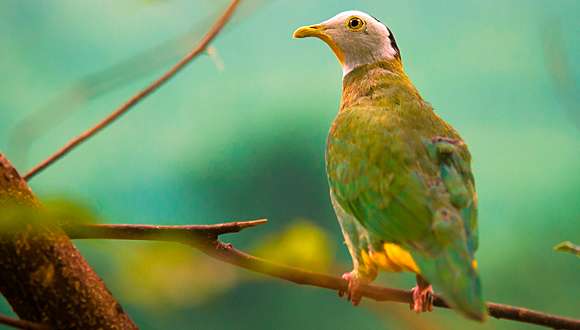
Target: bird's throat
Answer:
pixel 337 51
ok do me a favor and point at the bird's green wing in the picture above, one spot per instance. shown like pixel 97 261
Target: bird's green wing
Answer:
pixel 414 190
pixel 373 177
pixel 395 182
pixel 453 159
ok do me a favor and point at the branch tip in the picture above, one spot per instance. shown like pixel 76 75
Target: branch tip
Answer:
pixel 253 223
pixel 233 227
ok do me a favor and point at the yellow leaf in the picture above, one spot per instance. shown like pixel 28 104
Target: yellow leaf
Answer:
pixel 302 245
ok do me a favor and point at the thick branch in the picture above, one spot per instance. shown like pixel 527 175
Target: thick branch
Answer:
pixel 205 238
pixel 42 275
pixel 215 29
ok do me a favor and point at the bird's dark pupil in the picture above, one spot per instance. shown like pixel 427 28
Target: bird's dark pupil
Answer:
pixel 354 22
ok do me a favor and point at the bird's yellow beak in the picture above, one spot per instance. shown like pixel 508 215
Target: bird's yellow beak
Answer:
pixel 318 32
pixel 310 31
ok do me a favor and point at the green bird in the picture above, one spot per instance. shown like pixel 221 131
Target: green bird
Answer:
pixel 400 177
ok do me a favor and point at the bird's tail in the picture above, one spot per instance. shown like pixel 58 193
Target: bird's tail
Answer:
pixel 453 275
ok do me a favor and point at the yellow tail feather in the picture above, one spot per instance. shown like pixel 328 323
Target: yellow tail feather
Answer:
pixel 395 259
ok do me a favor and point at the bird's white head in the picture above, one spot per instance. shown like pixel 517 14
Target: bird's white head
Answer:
pixel 355 38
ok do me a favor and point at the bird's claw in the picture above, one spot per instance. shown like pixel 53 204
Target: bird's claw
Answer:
pixel 354 292
pixel 422 299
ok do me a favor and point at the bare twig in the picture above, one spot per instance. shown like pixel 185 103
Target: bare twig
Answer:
pixel 181 234
pixel 205 239
pixel 218 25
pixel 20 324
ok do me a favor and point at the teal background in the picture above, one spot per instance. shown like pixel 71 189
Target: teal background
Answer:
pixel 247 142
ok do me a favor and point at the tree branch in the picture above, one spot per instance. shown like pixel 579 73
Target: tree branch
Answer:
pixel 205 239
pixel 216 28
pixel 42 275
pixel 21 324
pixel 180 234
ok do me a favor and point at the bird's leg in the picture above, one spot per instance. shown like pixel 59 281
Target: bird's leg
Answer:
pixel 355 282
pixel 422 296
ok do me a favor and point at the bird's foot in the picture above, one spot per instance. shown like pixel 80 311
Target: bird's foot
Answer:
pixel 354 291
pixel 422 299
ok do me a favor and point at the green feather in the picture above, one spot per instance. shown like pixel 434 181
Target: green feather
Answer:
pixel 404 175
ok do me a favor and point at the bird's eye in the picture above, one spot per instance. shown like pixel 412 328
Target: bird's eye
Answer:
pixel 355 23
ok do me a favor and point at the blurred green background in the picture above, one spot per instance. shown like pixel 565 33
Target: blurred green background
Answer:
pixel 246 141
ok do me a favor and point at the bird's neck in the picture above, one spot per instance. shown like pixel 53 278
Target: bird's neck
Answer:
pixel 368 54
pixel 370 82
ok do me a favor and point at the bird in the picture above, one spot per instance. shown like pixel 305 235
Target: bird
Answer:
pixel 400 177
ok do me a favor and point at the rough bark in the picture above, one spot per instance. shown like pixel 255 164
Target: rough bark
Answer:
pixel 42 275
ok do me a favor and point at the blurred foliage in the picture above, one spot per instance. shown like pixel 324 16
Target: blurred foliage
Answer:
pixel 302 244
pixel 12 214
pixel 568 247
pixel 66 210
pixel 162 277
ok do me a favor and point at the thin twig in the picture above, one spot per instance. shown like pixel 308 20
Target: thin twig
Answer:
pixel 205 239
pixel 218 25
pixel 20 324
